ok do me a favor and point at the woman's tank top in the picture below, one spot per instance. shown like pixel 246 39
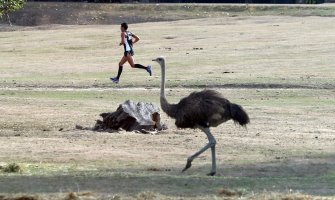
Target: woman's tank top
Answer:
pixel 128 45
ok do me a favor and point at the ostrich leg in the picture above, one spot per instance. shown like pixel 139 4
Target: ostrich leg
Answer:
pixel 211 144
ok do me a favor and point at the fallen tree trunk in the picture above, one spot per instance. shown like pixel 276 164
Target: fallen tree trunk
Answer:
pixel 131 116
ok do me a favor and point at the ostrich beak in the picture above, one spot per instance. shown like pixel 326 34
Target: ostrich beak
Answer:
pixel 154 60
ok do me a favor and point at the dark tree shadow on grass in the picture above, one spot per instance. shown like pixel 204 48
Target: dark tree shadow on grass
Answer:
pixel 315 176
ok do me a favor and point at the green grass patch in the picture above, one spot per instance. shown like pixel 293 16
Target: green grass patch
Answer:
pixel 11 168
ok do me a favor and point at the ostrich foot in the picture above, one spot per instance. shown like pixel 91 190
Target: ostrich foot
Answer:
pixel 211 174
pixel 188 165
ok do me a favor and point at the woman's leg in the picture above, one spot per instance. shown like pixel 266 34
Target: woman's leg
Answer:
pixel 130 60
pixel 122 61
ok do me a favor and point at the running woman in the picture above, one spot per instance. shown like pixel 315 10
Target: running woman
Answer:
pixel 127 42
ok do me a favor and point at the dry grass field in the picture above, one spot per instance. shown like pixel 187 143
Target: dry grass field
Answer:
pixel 279 68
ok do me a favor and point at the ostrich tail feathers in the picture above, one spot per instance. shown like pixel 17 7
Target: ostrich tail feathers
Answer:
pixel 239 115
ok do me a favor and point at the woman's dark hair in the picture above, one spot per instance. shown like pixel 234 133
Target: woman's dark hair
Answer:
pixel 124 25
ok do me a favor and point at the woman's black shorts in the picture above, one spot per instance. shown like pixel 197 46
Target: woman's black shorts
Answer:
pixel 127 53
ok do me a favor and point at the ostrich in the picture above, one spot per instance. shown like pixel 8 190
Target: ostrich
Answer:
pixel 201 110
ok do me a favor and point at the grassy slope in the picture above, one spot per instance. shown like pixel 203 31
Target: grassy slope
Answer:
pixel 36 13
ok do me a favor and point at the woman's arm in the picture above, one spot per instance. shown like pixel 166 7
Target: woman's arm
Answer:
pixel 122 38
pixel 136 38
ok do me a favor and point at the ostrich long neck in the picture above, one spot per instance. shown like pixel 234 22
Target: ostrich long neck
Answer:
pixel 167 108
pixel 162 95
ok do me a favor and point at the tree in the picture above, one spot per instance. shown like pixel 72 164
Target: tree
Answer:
pixel 8 6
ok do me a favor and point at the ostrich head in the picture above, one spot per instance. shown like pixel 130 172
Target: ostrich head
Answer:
pixel 160 60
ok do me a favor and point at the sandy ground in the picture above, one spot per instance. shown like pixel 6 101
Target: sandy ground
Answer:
pixel 288 147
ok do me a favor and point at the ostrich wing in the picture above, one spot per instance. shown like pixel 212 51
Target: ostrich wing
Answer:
pixel 202 108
